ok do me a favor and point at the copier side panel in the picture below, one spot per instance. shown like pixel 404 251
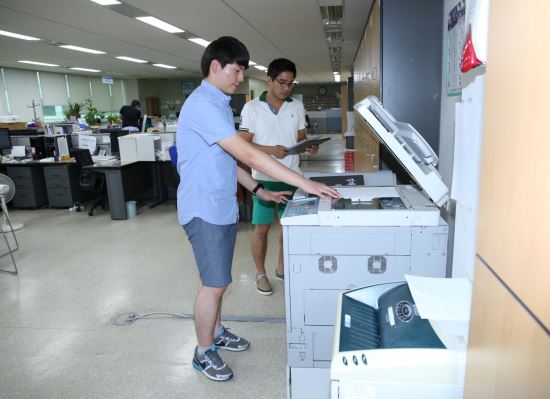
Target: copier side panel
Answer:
pixel 429 250
pixel 356 240
pixel 309 383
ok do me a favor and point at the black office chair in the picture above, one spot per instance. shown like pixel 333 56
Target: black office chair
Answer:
pixel 90 180
pixel 311 127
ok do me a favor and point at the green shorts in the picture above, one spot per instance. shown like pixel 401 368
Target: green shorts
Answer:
pixel 263 212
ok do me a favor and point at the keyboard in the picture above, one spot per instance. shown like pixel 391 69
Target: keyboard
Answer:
pixel 103 158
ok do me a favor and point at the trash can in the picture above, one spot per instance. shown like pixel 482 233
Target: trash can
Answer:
pixel 131 209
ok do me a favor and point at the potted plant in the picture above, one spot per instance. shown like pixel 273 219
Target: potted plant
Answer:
pixel 93 117
pixel 171 107
pixel 113 119
pixel 73 110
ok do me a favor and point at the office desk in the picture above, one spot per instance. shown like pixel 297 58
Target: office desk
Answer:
pixel 55 184
pixel 38 183
pixel 125 181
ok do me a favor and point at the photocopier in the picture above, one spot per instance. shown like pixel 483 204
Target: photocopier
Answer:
pixel 402 340
pixel 374 234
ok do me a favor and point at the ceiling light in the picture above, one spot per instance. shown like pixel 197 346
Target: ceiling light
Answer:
pixel 199 41
pixel 39 63
pixel 106 2
pixel 250 62
pixel 83 49
pixel 17 35
pixel 165 66
pixel 157 23
pixel 132 60
pixel 85 69
pixel 260 67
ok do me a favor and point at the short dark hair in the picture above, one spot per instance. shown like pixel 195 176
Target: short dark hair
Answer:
pixel 280 65
pixel 226 50
pixel 135 103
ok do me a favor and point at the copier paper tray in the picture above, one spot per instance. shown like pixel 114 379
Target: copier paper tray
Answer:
pixel 394 324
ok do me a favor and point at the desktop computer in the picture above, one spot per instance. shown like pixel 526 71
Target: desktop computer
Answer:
pixel 5 141
pixel 114 134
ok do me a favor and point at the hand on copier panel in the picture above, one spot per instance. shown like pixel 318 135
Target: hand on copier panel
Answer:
pixel 319 189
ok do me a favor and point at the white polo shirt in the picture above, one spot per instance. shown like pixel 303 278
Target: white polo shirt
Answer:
pixel 274 129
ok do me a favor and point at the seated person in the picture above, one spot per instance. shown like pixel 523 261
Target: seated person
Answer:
pixel 157 122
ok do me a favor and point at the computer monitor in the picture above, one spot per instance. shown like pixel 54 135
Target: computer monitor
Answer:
pixel 38 143
pixel 82 156
pixel 114 134
pixel 5 141
pixel 148 123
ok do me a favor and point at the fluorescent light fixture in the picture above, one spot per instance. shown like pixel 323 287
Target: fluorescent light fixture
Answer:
pixel 199 41
pixel 106 2
pixel 85 69
pixel 336 73
pixel 250 62
pixel 132 60
pixel 260 67
pixel 157 23
pixel 17 35
pixel 337 78
pixel 83 49
pixel 38 63
pixel 165 66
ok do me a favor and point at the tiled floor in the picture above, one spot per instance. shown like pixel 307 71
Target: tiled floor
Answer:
pixel 77 272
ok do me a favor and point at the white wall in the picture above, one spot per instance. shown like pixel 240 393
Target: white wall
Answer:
pixel 459 155
pixel 49 88
pixel 447 122
pixel 257 86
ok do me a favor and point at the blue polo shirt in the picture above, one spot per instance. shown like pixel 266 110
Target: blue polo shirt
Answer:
pixel 208 174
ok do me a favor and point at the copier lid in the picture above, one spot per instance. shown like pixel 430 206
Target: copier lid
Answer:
pixel 408 146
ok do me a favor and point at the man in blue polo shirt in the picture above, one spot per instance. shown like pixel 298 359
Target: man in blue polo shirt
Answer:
pixel 208 147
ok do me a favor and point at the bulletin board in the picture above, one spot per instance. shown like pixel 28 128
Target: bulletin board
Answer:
pixel 455 42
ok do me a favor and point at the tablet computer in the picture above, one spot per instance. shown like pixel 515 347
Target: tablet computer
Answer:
pixel 302 145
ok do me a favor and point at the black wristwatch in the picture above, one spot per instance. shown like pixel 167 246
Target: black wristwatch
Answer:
pixel 258 186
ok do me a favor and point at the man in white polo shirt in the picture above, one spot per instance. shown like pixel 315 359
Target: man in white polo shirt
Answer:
pixel 272 123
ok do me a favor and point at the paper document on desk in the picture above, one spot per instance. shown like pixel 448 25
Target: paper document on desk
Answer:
pixel 441 298
pixel 303 145
pixel 18 151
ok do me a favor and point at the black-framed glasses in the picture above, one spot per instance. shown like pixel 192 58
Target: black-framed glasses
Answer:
pixel 290 84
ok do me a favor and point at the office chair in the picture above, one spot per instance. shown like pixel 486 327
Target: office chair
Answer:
pixel 6 230
pixel 90 180
pixel 175 177
pixel 311 127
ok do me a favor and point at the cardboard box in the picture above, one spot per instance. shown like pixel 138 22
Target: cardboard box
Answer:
pixel 138 147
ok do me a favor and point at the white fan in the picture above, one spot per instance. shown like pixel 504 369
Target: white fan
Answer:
pixel 7 191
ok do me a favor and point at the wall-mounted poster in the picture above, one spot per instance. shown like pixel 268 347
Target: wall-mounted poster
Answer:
pixel 455 41
pixel 187 87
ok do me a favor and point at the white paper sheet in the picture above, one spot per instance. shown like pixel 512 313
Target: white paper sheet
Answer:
pixel 18 151
pixel 441 298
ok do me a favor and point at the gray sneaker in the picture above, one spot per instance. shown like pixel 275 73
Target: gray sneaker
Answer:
pixel 212 365
pixel 231 342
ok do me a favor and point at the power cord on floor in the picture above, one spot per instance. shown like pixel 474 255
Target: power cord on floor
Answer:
pixel 77 207
pixel 124 319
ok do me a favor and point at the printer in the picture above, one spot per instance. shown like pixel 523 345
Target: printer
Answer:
pixel 386 345
pixel 374 234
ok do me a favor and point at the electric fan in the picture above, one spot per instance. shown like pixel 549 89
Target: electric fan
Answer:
pixel 7 191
